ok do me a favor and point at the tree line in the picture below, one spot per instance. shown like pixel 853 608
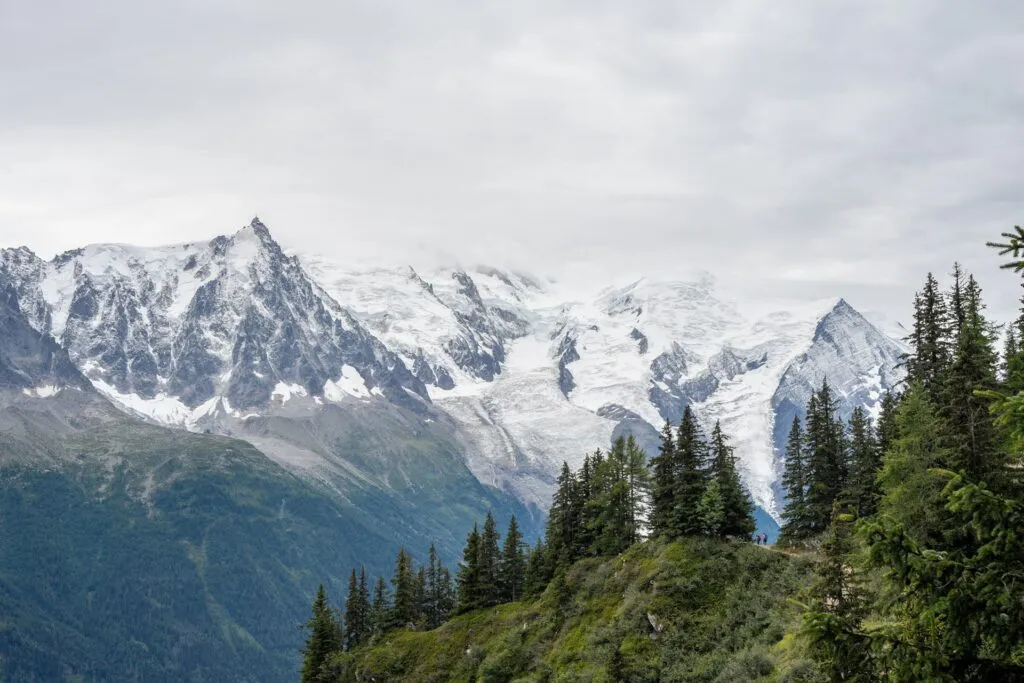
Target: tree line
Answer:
pixel 920 517
pixel 615 499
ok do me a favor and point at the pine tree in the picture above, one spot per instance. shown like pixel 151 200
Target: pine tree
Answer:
pixel 538 569
pixel 324 639
pixel 865 464
pixel 513 565
pixel 663 484
pixel 691 476
pixel 911 491
pixel 887 430
pixel 468 578
pixel 796 522
pixel 488 563
pixel 420 597
pixel 357 628
pixel 833 624
pixel 404 608
pixel 737 508
pixel 826 458
pixel 380 610
pixel 446 598
pixel 610 502
pixel 930 338
pixel 638 485
pixel 432 590
pixel 562 516
pixel 583 494
pixel 973 369
pixel 711 510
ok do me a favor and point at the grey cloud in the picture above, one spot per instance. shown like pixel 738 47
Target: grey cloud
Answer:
pixel 812 148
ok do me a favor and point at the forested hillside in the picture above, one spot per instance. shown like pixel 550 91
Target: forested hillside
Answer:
pixel 901 551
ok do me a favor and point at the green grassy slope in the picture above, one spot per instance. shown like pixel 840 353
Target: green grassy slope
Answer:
pixel 697 610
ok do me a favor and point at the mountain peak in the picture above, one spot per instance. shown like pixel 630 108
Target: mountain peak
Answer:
pixel 254 230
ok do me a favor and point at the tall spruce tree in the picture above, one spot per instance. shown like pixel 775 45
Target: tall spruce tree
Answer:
pixel 563 519
pixel 404 610
pixel 380 609
pixel 446 597
pixel 325 638
pixel 887 431
pixel 538 569
pixel 663 484
pixel 911 489
pixel 832 625
pixel 865 464
pixel 691 476
pixel 796 524
pixel 513 564
pixel 737 508
pixel 357 611
pixel 488 564
pixel 929 338
pixel 826 458
pixel 966 406
pixel 468 577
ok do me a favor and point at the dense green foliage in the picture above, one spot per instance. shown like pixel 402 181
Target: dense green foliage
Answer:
pixel 943 553
pixel 698 609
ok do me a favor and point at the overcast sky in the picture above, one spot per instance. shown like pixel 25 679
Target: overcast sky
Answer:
pixel 822 148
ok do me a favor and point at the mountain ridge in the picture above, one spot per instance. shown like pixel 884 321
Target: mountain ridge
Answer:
pixel 526 372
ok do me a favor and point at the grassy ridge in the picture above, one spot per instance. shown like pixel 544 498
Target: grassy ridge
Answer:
pixel 696 610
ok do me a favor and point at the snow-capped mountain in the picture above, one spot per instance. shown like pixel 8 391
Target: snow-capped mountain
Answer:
pixel 228 335
pixel 183 332
pixel 571 374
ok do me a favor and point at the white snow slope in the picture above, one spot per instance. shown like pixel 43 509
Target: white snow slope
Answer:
pixel 519 427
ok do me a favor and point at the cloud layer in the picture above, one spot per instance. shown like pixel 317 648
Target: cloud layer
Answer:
pixel 808 148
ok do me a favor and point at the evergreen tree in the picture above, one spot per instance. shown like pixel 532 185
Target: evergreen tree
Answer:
pixel 468 578
pixel 405 607
pixel 832 625
pixel 973 369
pixel 357 611
pixel 562 516
pixel 638 482
pixel 711 510
pixel 887 430
pixel 618 500
pixel 420 596
pixel 691 476
pixel 538 569
pixel 436 609
pixel 826 458
pixel 910 488
pixel 380 610
pixel 583 493
pixel 930 338
pixel 324 639
pixel 488 565
pixel 513 565
pixel 737 508
pixel 865 464
pixel 796 522
pixel 446 597
pixel 663 484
